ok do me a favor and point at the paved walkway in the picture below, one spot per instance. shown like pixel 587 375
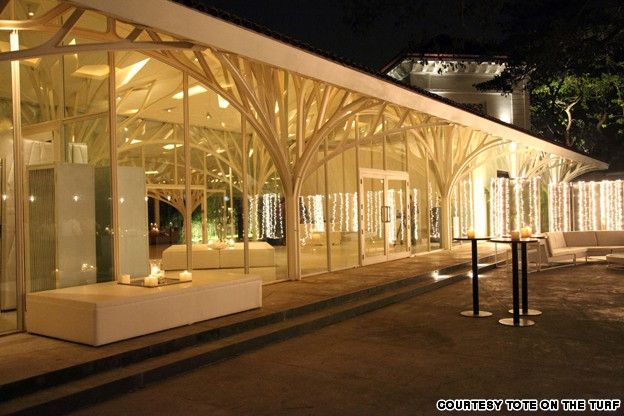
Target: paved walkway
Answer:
pixel 403 358
pixel 24 355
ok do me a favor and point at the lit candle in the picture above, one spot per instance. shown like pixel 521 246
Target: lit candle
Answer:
pixel 515 235
pixel 231 242
pixel 470 233
pixel 125 279
pixel 155 270
pixel 150 281
pixel 186 276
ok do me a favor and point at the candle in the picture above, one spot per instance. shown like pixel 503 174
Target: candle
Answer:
pixel 526 232
pixel 186 276
pixel 470 233
pixel 231 242
pixel 515 235
pixel 125 279
pixel 150 281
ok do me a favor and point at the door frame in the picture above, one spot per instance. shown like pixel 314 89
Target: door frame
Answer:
pixel 386 175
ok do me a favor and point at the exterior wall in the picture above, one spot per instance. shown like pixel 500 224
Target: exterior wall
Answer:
pixel 457 84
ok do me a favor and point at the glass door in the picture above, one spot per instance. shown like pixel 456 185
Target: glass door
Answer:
pixel 384 218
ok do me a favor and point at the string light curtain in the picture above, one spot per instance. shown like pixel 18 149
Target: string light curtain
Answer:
pixel 598 205
pixel 514 203
pixel 559 207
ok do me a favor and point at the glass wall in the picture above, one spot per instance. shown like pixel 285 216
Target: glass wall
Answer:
pixel 418 198
pixel 266 212
pixel 312 224
pixel 342 196
pixel 8 276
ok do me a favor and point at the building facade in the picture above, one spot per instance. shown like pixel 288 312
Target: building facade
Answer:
pixel 131 133
pixel 455 76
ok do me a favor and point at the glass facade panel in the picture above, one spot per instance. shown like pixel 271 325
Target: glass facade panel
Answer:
pixel 342 196
pixel 312 224
pixel 266 211
pixel 8 272
pixel 151 165
pixel 419 215
pixel 66 182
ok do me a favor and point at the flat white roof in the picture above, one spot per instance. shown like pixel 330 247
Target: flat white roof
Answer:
pixel 199 27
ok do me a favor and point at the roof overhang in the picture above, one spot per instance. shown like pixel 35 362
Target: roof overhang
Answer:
pixel 199 27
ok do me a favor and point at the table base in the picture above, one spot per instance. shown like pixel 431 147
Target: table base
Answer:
pixel 530 312
pixel 510 322
pixel 471 314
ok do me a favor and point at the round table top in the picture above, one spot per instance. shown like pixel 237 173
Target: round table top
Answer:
pixel 509 240
pixel 470 238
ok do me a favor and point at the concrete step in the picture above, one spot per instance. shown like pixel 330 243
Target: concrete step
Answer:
pixel 91 381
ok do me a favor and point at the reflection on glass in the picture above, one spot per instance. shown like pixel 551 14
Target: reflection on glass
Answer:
pixel 312 237
pixel 8 294
pixel 343 210
pixel 151 164
pixel 396 200
pixel 376 215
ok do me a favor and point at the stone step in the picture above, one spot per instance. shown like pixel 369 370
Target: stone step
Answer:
pixel 127 370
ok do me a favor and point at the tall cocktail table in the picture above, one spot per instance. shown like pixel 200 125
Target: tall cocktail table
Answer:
pixel 475 312
pixel 516 320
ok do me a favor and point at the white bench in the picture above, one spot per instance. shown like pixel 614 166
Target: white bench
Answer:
pixel 261 254
pixel 107 312
pixel 204 257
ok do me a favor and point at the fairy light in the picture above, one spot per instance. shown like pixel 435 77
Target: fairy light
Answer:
pixel 599 205
pixel 354 210
pixel 558 207
pixel 334 203
pixel 392 224
pixel 466 211
pixel 415 216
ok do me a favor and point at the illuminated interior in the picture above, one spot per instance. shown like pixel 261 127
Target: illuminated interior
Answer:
pixel 114 155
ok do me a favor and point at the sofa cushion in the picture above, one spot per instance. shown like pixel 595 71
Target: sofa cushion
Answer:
pixel 580 239
pixel 610 238
pixel 579 251
pixel 600 250
pixel 554 241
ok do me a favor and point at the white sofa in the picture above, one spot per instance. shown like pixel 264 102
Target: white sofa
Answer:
pixel 102 313
pixel 261 254
pixel 572 245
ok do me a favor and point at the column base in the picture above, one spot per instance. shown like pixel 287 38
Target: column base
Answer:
pixel 510 322
pixel 471 314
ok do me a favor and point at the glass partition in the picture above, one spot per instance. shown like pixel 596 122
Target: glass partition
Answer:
pixel 312 224
pixel 8 282
pixel 151 165
pixel 67 167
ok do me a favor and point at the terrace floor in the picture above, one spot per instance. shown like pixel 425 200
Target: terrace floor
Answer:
pixel 25 355
pixel 403 358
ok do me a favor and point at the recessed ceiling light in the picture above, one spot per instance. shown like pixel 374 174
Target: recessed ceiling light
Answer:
pixel 194 90
pixel 223 103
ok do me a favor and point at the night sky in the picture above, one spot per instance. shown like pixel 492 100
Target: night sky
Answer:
pixel 326 25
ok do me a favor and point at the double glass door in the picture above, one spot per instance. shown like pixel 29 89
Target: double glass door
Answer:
pixel 384 215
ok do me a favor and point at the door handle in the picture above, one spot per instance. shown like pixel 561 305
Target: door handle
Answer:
pixel 385 213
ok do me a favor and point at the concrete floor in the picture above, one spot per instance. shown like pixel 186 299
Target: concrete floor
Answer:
pixel 401 359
